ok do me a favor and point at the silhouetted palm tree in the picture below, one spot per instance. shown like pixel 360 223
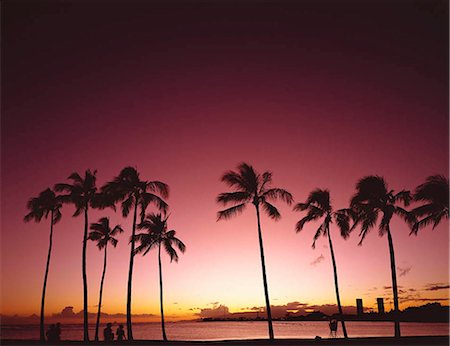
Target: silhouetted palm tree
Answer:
pixel 133 192
pixel 434 192
pixel 83 194
pixel 157 235
pixel 103 235
pixel 372 198
pixel 47 203
pixel 252 187
pixel 318 206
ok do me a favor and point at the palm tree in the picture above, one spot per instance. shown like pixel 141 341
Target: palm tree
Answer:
pixel 318 206
pixel 47 203
pixel 157 235
pixel 133 192
pixel 372 198
pixel 83 194
pixel 435 193
pixel 103 235
pixel 252 187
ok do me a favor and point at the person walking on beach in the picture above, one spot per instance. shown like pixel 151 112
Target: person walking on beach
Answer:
pixel 108 334
pixel 333 327
pixel 120 333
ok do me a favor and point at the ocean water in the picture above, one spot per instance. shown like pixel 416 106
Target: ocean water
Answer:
pixel 236 330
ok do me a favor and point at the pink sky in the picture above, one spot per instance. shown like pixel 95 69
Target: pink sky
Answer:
pixel 320 95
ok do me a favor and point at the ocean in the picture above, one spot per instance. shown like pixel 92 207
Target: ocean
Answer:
pixel 237 330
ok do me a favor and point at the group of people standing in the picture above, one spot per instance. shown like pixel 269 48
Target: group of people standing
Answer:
pixel 108 334
pixel 54 333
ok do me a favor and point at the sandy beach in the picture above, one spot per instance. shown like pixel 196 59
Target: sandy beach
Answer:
pixel 418 340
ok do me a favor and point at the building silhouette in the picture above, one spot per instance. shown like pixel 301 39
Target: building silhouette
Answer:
pixel 380 304
pixel 359 307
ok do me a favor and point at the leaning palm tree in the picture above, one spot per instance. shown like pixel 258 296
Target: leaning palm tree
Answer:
pixel 134 193
pixel 434 192
pixel 103 235
pixel 318 206
pixel 157 235
pixel 83 194
pixel 371 199
pixel 252 187
pixel 47 203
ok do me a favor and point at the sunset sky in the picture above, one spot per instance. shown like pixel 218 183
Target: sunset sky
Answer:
pixel 321 93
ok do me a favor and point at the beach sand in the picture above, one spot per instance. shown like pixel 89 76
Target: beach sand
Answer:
pixel 375 341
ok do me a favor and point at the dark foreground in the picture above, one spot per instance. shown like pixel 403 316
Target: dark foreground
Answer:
pixel 374 341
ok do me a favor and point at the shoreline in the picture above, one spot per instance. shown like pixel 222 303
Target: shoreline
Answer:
pixel 373 341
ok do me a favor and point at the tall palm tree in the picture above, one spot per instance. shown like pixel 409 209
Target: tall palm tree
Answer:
pixel 103 235
pixel 318 206
pixel 83 194
pixel 133 192
pixel 434 192
pixel 251 187
pixel 371 199
pixel 47 203
pixel 157 235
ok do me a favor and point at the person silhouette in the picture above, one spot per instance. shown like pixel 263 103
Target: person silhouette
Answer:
pixel 120 333
pixel 51 333
pixel 58 332
pixel 333 327
pixel 108 334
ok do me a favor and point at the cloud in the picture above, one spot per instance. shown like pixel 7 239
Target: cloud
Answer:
pixel 317 260
pixel 403 271
pixel 220 311
pixel 68 313
pixel 278 311
pixel 390 287
pixel 437 287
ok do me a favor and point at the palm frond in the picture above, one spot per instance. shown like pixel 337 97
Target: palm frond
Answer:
pixel 233 179
pixel 301 206
pixel 368 221
pixel 95 235
pixel 403 196
pixel 388 212
pixel 266 180
pixel 250 177
pixel 235 197
pixel 271 210
pixel 312 215
pixel 319 232
pixel 148 198
pixel 342 218
pixel 116 229
pixel 230 212
pixel 170 250
pixel 76 178
pixel 127 204
pixel 113 241
pixel 320 198
pixel 159 187
pixel 277 193
pixel 62 187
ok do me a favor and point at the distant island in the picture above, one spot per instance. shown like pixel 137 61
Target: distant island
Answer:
pixel 431 312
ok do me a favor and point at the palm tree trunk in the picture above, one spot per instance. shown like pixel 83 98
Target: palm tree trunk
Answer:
pixel 44 288
pixel 100 296
pixel 263 264
pixel 394 284
pixel 85 290
pixel 336 286
pixel 130 273
pixel 161 294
